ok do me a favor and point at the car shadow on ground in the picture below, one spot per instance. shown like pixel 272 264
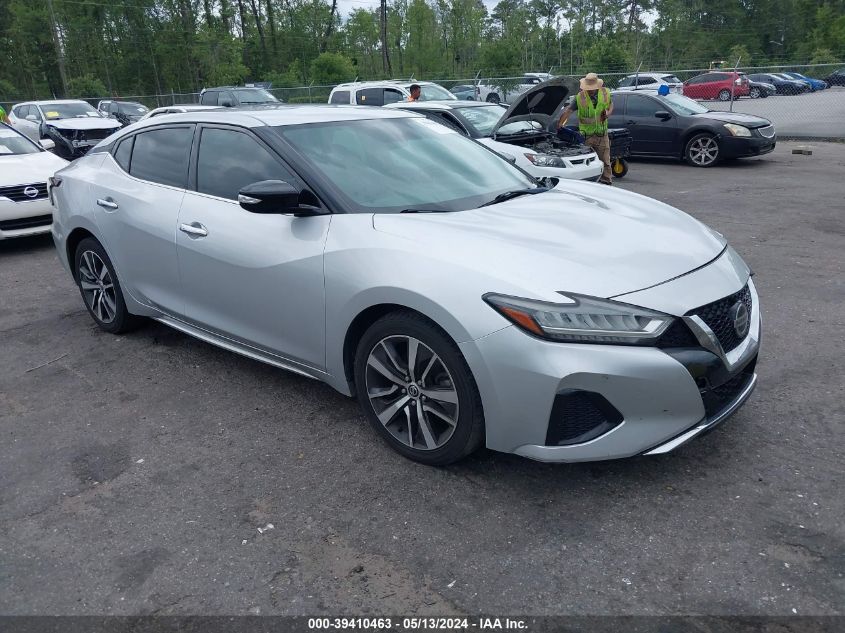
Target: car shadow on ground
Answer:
pixel 750 162
pixel 19 245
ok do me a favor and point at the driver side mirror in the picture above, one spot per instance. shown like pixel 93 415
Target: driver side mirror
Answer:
pixel 226 103
pixel 31 117
pixel 47 143
pixel 508 157
pixel 663 115
pixel 278 196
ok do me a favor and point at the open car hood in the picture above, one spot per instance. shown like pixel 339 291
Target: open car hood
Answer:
pixel 540 102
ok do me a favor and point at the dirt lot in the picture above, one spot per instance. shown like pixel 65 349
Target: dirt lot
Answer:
pixel 137 470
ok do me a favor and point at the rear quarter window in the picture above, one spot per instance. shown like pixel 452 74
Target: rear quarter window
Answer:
pixel 161 155
pixel 340 97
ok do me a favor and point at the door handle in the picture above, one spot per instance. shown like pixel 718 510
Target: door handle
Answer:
pixel 107 203
pixel 194 229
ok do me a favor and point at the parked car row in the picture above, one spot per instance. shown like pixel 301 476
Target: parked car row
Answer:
pixel 462 301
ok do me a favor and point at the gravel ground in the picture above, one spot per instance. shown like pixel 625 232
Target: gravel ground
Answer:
pixel 137 470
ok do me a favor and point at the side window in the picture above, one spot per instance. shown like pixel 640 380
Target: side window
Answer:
pixel 370 96
pixel 639 105
pixel 34 111
pixel 628 81
pixel 162 155
pixel 21 111
pixel 393 96
pixel 644 81
pixel 230 160
pixel 123 152
pixel 340 96
pixel 618 102
pixel 449 121
pixel 209 98
pixel 227 99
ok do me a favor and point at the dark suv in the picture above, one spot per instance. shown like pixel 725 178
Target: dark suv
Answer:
pixel 836 78
pixel 231 96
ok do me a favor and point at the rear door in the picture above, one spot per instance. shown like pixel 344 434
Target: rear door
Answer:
pixel 32 129
pixel 256 278
pixel 650 134
pixel 136 201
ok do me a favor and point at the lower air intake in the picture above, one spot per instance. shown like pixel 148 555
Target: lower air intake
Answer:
pixel 580 416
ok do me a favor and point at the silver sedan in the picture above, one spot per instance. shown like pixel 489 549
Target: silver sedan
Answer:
pixel 462 302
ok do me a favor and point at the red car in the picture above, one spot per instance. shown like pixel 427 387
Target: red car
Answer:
pixel 717 85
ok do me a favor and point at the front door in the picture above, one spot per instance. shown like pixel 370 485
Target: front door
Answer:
pixel 256 278
pixel 650 134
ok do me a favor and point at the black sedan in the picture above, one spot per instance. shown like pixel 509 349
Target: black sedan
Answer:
pixel 783 86
pixel 836 78
pixel 760 89
pixel 675 126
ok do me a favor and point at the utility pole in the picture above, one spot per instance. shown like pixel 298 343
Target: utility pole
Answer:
pixel 60 56
pixel 385 57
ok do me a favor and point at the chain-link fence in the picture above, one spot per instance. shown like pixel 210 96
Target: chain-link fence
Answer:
pixel 809 105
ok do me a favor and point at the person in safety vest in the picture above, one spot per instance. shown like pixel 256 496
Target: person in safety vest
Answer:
pixel 594 107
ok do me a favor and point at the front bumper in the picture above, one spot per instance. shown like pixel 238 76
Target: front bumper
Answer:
pixel 584 167
pixel 743 147
pixel 21 219
pixel 662 398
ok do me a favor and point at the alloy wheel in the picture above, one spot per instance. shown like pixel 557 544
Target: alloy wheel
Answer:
pixel 97 285
pixel 703 151
pixel 725 95
pixel 755 93
pixel 412 392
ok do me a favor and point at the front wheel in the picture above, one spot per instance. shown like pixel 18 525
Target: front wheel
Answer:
pixel 417 390
pixel 100 288
pixel 755 93
pixel 619 167
pixel 702 150
pixel 724 95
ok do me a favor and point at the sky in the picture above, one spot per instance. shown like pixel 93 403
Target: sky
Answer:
pixel 346 6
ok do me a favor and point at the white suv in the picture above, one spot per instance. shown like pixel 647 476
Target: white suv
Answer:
pixel 378 93
pixel 651 81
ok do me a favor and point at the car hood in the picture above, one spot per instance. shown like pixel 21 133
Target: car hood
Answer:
pixel 25 169
pixel 748 120
pixel 580 237
pixel 540 102
pixel 86 123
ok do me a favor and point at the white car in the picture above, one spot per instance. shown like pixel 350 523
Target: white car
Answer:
pixel 499 90
pixel 523 138
pixel 24 169
pixel 177 109
pixel 378 93
pixel 652 81
pixel 73 125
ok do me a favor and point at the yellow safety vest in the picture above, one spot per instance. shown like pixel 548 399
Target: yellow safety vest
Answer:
pixel 589 122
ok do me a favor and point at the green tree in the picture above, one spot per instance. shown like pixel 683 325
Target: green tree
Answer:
pixel 331 68
pixel 86 86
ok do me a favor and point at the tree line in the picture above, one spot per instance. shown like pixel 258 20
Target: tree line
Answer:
pixel 138 47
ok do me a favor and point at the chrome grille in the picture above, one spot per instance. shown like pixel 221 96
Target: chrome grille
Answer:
pixel 768 131
pixel 21 193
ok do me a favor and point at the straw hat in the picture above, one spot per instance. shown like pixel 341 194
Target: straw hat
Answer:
pixel 591 82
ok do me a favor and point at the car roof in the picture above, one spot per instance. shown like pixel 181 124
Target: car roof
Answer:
pixel 55 102
pixel 401 83
pixel 277 115
pixel 651 74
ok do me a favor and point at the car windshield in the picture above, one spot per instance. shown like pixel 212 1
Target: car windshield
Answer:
pixel 683 105
pixel 12 143
pixel 256 95
pixel 481 119
pixel 433 92
pixel 132 108
pixel 53 111
pixel 393 165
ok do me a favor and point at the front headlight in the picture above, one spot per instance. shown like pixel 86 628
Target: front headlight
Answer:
pixel 737 130
pixel 581 319
pixel 545 160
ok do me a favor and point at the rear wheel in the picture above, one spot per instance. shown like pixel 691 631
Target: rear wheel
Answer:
pixel 702 150
pixel 724 95
pixel 417 390
pixel 755 93
pixel 100 288
pixel 493 98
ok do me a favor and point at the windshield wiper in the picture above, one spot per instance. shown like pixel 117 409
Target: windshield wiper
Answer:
pixel 502 197
pixel 425 211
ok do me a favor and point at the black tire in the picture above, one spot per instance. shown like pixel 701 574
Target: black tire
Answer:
pixel 111 302
pixel 695 153
pixel 493 98
pixel 755 93
pixel 619 167
pixel 724 95
pixel 467 434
